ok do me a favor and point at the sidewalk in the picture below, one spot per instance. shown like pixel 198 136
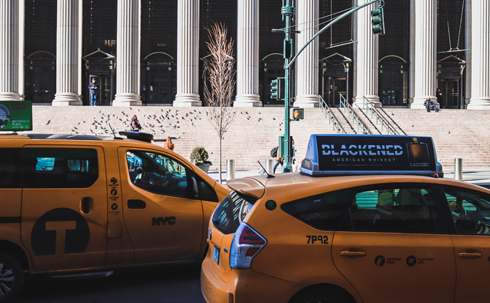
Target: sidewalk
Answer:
pixel 478 177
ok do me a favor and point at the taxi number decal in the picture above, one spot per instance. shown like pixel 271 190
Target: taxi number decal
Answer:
pixel 320 239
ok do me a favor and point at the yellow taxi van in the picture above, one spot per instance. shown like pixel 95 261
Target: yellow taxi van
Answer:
pixel 77 203
pixel 366 220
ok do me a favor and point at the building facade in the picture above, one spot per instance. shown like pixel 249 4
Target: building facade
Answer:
pixel 154 52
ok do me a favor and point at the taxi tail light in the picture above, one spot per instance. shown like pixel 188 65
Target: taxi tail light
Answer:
pixel 247 243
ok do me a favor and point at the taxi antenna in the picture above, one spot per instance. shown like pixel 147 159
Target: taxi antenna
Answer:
pixel 113 132
pixel 268 175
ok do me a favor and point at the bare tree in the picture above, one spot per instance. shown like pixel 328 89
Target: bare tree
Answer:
pixel 221 77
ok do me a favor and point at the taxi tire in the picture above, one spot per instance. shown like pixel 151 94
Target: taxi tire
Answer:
pixel 11 277
pixel 322 295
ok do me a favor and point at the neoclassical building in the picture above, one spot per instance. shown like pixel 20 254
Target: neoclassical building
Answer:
pixel 153 52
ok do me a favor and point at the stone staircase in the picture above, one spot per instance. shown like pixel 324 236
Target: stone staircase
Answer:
pixel 255 131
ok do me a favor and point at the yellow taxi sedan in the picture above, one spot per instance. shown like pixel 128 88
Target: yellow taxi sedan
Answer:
pixel 357 236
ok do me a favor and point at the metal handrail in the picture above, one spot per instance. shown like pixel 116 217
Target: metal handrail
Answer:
pixel 393 121
pixel 331 117
pixel 370 121
pixel 355 117
pixel 385 124
pixel 346 120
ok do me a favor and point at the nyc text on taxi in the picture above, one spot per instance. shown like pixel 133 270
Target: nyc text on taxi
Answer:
pixel 365 221
pixel 80 203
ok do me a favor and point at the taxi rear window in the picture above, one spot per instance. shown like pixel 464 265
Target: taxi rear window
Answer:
pixel 231 212
pixel 323 211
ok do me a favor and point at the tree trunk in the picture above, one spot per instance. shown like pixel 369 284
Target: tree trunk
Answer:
pixel 220 165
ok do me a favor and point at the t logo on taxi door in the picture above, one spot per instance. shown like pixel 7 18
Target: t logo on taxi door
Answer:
pixel 50 229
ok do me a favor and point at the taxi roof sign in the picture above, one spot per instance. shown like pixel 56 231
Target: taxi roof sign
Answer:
pixel 369 154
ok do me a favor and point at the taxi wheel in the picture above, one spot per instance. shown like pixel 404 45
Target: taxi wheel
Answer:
pixel 11 277
pixel 322 296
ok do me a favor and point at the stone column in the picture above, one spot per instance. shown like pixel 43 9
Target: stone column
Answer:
pixel 9 50
pixel 187 54
pixel 128 53
pixel 367 58
pixel 307 63
pixel 425 52
pixel 248 54
pixel 67 54
pixel 21 48
pixel 480 57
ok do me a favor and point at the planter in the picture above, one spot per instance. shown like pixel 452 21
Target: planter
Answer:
pixel 204 167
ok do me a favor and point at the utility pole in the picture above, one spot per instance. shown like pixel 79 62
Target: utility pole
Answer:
pixel 287 12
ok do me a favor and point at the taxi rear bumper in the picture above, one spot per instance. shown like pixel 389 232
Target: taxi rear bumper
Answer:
pixel 244 285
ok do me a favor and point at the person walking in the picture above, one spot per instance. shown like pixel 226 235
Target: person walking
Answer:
pixel 135 124
pixel 279 160
pixel 168 144
pixel 94 87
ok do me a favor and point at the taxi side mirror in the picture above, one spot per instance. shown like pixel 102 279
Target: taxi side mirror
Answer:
pixel 195 189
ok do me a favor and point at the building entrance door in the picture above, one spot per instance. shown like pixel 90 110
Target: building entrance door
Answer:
pixel 391 82
pixel 158 81
pixel 450 93
pixel 103 96
pixel 157 89
pixel 333 89
pixel 272 67
pixel 40 77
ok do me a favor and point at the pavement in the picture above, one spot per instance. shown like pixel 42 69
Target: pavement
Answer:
pixel 478 177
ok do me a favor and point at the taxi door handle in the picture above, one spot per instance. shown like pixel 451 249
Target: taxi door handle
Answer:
pixel 85 205
pixel 348 253
pixel 469 255
pixel 137 204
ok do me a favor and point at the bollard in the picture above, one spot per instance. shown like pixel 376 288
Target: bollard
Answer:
pixel 269 166
pixel 230 170
pixel 193 161
pixel 458 169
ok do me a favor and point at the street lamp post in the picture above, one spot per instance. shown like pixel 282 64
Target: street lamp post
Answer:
pixel 287 12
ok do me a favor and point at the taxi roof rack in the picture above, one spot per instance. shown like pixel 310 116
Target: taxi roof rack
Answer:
pixel 145 137
pixel 63 137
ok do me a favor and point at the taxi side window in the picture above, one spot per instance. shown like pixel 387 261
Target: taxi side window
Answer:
pixel 394 210
pixel 470 211
pixel 59 167
pixel 10 175
pixel 157 173
pixel 206 191
pixel 323 211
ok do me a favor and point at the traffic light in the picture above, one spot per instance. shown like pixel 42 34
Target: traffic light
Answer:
pixel 378 21
pixel 298 114
pixel 277 89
